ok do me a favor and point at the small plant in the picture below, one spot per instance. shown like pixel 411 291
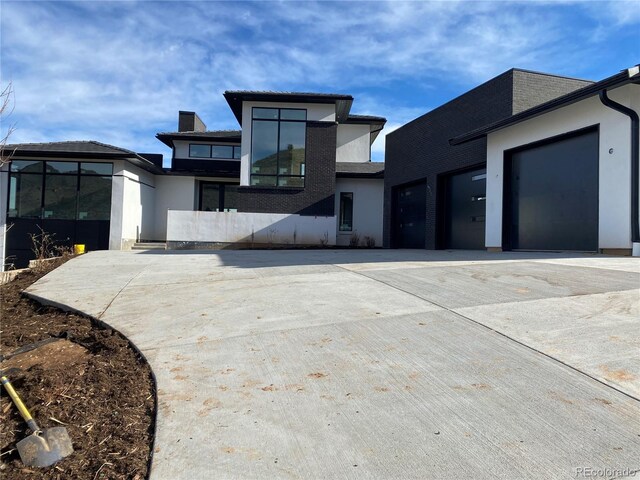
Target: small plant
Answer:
pixel 370 242
pixel 354 240
pixel 324 240
pixel 43 246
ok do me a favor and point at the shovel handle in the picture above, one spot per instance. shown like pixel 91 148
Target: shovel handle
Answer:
pixel 18 402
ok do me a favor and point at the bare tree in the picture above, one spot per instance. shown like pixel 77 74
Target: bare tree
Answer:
pixel 6 109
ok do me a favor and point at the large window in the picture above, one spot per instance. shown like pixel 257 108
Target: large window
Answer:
pixel 346 212
pixel 218 197
pixel 60 190
pixel 278 147
pixel 197 150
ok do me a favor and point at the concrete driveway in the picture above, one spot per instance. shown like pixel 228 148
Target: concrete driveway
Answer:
pixel 377 364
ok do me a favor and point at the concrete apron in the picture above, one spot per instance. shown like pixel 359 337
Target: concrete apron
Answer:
pixel 376 364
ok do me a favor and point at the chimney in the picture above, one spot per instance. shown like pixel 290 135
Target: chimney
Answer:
pixel 190 122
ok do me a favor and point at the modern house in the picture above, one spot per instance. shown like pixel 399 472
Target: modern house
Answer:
pixel 525 161
pixel 297 173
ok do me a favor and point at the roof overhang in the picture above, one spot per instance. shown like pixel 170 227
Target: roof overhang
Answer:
pixel 219 137
pixel 26 150
pixel 630 75
pixel 359 170
pixel 236 98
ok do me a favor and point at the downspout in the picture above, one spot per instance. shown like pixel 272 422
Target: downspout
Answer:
pixel 635 177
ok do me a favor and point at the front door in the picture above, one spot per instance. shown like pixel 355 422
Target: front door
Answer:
pixel 410 211
pixel 465 209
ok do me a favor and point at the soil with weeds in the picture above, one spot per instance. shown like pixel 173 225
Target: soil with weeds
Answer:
pixel 71 372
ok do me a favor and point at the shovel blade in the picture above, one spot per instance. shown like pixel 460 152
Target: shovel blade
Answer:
pixel 45 448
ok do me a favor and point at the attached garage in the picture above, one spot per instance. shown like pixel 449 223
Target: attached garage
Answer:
pixel 565 175
pixel 551 195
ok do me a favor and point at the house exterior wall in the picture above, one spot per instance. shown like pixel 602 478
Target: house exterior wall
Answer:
pixel 315 113
pixel 192 229
pixel 368 197
pixel 614 169
pixel 353 143
pixel 420 150
pixel 172 193
pixel 317 196
pixel 132 205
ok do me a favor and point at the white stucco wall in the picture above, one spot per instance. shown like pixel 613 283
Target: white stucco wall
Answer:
pixel 353 143
pixel 4 188
pixel 233 227
pixel 172 193
pixel 614 169
pixel 315 112
pixel 132 205
pixel 368 199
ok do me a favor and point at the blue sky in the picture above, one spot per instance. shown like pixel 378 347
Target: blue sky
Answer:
pixel 119 71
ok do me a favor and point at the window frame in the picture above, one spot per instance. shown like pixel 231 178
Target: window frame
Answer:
pixel 222 189
pixel 43 174
pixel 341 213
pixel 277 175
pixel 234 149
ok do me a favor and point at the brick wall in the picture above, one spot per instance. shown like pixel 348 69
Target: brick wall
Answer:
pixel 420 149
pixel 317 197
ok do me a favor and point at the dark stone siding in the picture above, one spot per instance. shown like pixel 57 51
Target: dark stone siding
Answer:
pixel 420 149
pixel 317 197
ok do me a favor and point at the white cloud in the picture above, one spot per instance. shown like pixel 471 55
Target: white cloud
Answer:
pixel 119 71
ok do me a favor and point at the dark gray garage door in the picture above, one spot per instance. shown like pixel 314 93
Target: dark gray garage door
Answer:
pixel 554 195
pixel 465 209
pixel 410 211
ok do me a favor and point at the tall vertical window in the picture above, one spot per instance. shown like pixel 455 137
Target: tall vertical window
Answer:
pixel 278 147
pixel 346 212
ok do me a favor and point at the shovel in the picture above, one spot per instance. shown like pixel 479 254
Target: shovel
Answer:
pixel 43 447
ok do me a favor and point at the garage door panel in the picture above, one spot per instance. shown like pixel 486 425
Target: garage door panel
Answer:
pixel 554 195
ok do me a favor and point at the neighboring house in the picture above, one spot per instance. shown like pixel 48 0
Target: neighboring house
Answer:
pixel 435 192
pixel 564 175
pixel 298 173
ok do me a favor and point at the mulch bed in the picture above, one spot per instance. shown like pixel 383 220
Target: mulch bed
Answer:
pixel 77 374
